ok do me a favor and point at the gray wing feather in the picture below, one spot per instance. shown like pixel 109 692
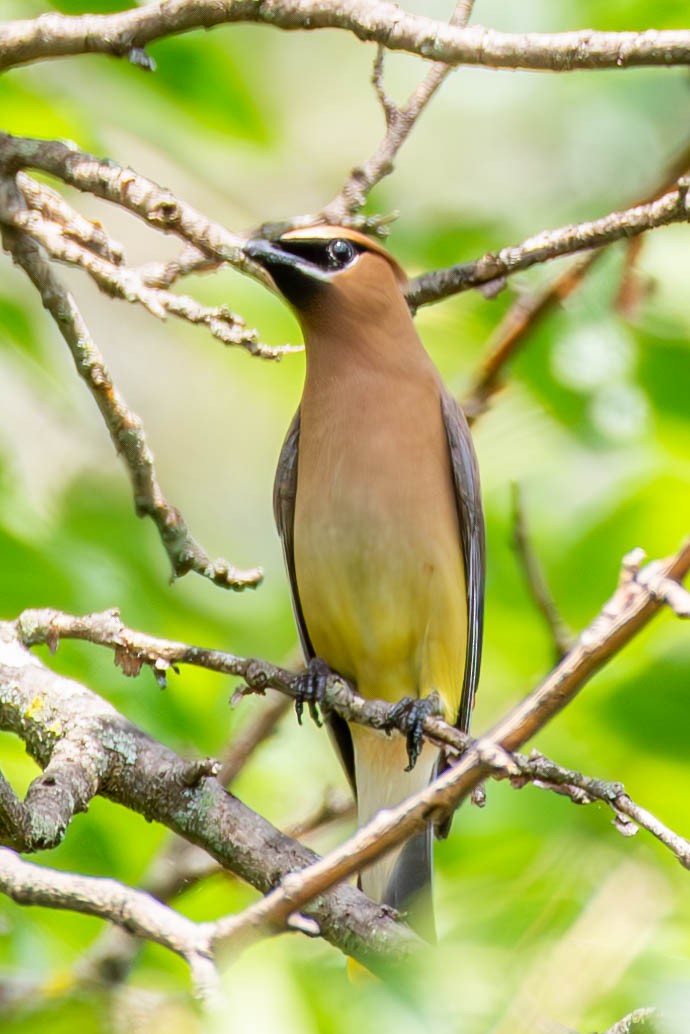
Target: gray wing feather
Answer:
pixel 284 495
pixel 471 518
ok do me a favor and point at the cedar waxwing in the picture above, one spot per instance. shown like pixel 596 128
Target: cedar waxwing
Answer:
pixel 377 504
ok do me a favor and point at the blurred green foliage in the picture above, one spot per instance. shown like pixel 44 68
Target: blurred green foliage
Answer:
pixel 541 906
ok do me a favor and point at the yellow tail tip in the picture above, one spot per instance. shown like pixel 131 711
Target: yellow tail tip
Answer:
pixel 357 972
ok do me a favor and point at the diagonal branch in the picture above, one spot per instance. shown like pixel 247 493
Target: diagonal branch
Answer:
pixel 399 124
pixel 52 206
pixel 672 207
pixel 122 186
pixel 126 34
pixel 536 582
pixel 125 427
pixel 160 208
pixel 529 310
pixel 524 315
pixel 191 802
pixel 631 606
pixel 120 281
pixel 139 913
pixel 57 717
pixel 171 873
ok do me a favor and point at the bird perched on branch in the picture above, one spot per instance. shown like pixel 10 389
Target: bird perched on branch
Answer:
pixel 377 504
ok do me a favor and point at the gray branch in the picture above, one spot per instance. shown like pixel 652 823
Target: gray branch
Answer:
pixel 132 910
pixel 158 207
pixel 61 721
pixel 126 34
pixel 672 207
pixel 125 427
pixel 86 747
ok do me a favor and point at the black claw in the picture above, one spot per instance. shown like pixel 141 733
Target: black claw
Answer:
pixel 408 715
pixel 310 685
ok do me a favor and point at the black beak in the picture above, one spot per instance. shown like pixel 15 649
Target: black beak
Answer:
pixel 261 251
pixel 271 257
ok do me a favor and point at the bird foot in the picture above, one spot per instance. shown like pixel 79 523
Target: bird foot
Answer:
pixel 310 685
pixel 408 715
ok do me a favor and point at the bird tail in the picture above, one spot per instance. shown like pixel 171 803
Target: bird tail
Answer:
pixel 402 878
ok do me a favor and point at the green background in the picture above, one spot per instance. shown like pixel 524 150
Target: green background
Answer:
pixel 542 908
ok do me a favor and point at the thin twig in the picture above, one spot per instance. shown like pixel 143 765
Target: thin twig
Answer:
pixel 582 789
pixel 672 207
pixel 139 913
pixel 124 426
pixel 53 207
pixel 521 319
pixel 399 125
pixel 247 740
pixel 120 281
pixel 165 274
pixel 123 186
pixel 563 639
pixel 529 310
pixel 635 1019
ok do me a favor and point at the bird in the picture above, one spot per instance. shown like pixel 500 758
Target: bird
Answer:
pixel 378 506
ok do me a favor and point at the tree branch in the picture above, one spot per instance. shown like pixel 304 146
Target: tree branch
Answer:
pixel 173 871
pixel 631 606
pixel 160 208
pixel 60 721
pixel 635 1019
pixel 642 590
pixel 142 197
pixel 635 601
pixel 126 34
pixel 188 800
pixel 63 244
pixel 524 315
pixel 76 227
pixel 529 310
pixel 581 789
pixel 539 590
pixel 137 912
pixel 86 747
pixel 124 426
pixel 399 125
pixel 670 208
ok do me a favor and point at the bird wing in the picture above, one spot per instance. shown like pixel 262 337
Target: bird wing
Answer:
pixel 284 496
pixel 471 518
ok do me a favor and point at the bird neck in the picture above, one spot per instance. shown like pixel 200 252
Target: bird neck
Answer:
pixel 346 340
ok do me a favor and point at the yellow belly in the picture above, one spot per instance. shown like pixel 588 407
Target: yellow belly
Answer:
pixel 384 603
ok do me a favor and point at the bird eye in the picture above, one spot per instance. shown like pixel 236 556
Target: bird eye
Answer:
pixel 340 252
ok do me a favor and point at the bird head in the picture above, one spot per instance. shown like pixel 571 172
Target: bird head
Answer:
pixel 328 271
